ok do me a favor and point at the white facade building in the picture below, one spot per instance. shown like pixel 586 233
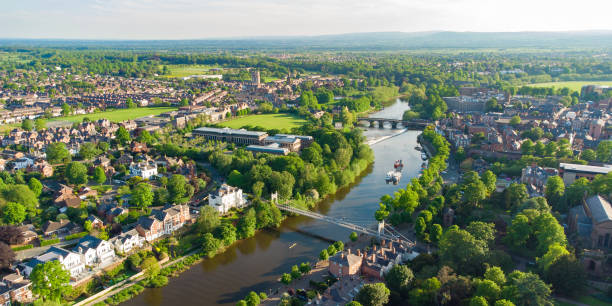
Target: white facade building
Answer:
pixel 22 163
pixel 71 261
pixel 95 251
pixel 143 169
pixel 226 198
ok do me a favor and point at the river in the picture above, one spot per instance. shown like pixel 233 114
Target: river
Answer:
pixel 255 264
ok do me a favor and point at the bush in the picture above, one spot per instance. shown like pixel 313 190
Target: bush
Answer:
pixel 158 281
pixel 49 242
pixel 23 247
pixel 76 236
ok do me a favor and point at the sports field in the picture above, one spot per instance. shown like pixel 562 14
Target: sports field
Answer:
pixel 179 71
pixel 573 85
pixel 267 121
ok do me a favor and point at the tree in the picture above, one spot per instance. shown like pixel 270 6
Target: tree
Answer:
pixel 66 109
pixel 526 288
pixel 376 294
pixel 503 303
pixel 57 153
pixel 247 224
pixel 488 289
pixel 482 231
pixel 478 301
pixel 20 194
pixel 258 188
pixel 555 252
pixel 150 266
pixel 496 275
pixel 554 193
pixel 208 219
pixel 353 303
pixel 40 124
pixel 142 195
pixel 515 195
pixel 515 121
pixel 435 232
pixel 323 255
pixel 50 281
pixel 7 256
pixel 295 272
pixel 399 278
pixel 604 151
pixel 353 236
pixel 474 192
pixel 13 213
pixel 519 231
pixel 286 278
pixel 36 186
pixel 548 232
pixel 490 180
pixel 76 173
pixel 210 245
pixel 252 299
pixel 88 151
pixel 123 136
pixel 177 188
pixel 99 176
pixel 566 275
pixel 461 251
pixel 27 124
pixel 588 155
pixel 10 234
pixel 145 137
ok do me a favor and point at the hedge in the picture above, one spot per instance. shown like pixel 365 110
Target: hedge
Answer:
pixel 23 247
pixel 49 242
pixel 76 236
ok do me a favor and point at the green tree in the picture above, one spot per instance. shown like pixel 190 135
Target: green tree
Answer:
pixel 13 213
pixel 588 155
pixel 323 255
pixel 461 251
pixel 145 137
pixel 489 179
pixel 40 124
pixel 482 231
pixel 210 245
pixel 376 294
pixel 20 194
pixel 57 153
pixel 495 274
pixel 252 299
pixel 99 176
pixel 353 236
pixel 526 288
pixel 36 186
pixel 88 151
pixel 27 124
pixel 554 192
pixel 478 301
pixel 515 121
pixel 515 195
pixel 247 224
pixel 208 219
pixel 177 188
pixel 519 231
pixel 142 195
pixel 488 289
pixel 76 173
pixel 286 278
pixel 435 232
pixel 604 151
pixel 566 275
pixel 123 136
pixel 151 267
pixel 399 278
pixel 50 281
pixel 227 233
pixel 258 188
pixel 553 254
pixel 503 303
pixel 474 192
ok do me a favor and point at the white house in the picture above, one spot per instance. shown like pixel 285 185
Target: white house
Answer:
pixel 22 163
pixel 71 261
pixel 127 241
pixel 95 251
pixel 143 169
pixel 226 198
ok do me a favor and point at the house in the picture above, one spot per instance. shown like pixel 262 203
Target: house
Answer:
pixel 87 192
pixel 61 227
pixel 592 221
pixel 128 241
pixel 71 261
pixel 19 288
pixel 5 295
pixel 95 222
pixel 143 169
pixel 572 172
pixel 139 147
pixel 342 265
pixel 163 221
pixel 22 163
pixel 535 178
pixel 226 198
pixel 95 251
pixel 28 232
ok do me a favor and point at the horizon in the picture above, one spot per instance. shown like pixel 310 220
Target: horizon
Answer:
pixel 214 19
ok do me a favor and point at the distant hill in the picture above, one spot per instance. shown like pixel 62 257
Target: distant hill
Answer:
pixel 349 42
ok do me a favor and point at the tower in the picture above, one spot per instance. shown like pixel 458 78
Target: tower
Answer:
pixel 255 78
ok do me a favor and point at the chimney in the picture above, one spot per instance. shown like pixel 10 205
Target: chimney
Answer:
pixel 348 251
pixel 374 248
pixel 342 255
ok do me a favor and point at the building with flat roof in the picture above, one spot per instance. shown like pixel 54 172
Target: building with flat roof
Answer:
pixel 241 136
pixel 270 149
pixel 290 142
pixel 572 172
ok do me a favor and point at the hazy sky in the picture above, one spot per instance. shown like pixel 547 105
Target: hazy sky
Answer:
pixel 179 19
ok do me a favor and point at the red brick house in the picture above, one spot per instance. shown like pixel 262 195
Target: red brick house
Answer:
pixel 163 222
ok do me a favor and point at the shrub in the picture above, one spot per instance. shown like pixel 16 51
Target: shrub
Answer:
pixel 76 236
pixel 49 242
pixel 23 247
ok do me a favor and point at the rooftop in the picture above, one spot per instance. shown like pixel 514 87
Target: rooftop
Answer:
pixel 585 168
pixel 228 131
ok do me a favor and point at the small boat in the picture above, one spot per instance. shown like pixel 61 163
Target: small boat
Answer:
pixel 398 165
pixel 294 244
pixel 423 156
pixel 417 148
pixel 393 177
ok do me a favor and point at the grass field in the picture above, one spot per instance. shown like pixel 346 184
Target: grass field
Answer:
pixel 112 115
pixel 267 121
pixel 573 85
pixel 179 71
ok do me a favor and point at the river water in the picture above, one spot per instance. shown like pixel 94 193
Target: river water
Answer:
pixel 255 264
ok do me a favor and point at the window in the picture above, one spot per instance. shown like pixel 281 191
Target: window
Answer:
pixel 600 241
pixel 607 240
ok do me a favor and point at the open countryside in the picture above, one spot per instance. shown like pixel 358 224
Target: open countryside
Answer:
pixel 267 121
pixel 573 85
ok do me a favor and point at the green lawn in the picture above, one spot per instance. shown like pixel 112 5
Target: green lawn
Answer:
pixel 267 121
pixel 573 85
pixel 179 71
pixel 117 115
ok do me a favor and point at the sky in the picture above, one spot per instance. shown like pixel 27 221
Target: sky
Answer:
pixel 198 19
